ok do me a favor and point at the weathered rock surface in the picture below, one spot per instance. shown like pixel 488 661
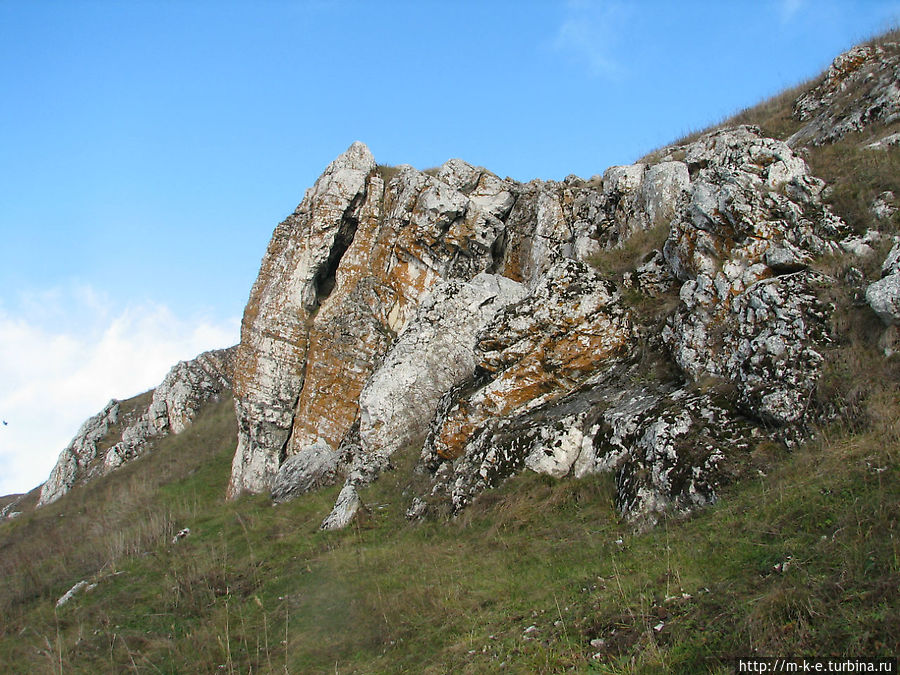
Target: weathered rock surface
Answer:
pixel 749 310
pixel 296 274
pixel 174 404
pixel 742 233
pixel 79 454
pixel 861 87
pixel 670 446
pixel 302 373
pixel 461 304
pixel 435 353
pixel 883 296
pixel 533 352
pixel 313 467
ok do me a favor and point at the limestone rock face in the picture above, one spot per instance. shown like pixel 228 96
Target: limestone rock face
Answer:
pixel 174 404
pixel 460 307
pixel 79 454
pixel 640 197
pixel 861 87
pixel 749 311
pixel 296 273
pixel 532 352
pixel 670 447
pixel 317 327
pixel 434 354
pixel 745 219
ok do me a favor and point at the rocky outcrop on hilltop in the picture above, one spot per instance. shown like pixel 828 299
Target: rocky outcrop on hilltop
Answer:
pixel 741 234
pixel 94 450
pixel 326 308
pixel 860 88
pixel 79 455
pixel 459 311
pixel 471 319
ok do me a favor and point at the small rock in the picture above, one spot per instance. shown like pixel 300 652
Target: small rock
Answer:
pixel 72 591
pixel 181 534
pixel 884 298
pixel 883 207
pixel 348 503
pixel 884 143
pixel 417 509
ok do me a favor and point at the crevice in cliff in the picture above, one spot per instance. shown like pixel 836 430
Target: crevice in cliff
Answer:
pixel 498 253
pixel 326 277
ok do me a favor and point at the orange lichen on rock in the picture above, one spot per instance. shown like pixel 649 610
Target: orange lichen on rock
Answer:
pixel 539 350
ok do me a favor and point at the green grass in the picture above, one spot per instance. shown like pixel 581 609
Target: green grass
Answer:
pixel 257 588
pixel 856 176
pixel 630 253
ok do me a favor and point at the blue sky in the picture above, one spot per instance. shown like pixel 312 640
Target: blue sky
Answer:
pixel 148 149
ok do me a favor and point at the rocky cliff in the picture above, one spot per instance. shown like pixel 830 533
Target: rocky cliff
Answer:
pixel 123 429
pixel 471 316
pixel 495 326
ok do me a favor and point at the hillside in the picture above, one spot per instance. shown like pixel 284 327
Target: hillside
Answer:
pixel 511 402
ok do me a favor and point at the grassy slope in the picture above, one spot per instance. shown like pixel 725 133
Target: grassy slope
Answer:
pixel 257 588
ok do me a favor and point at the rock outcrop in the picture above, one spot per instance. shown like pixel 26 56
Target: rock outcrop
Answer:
pixel 76 459
pixel 741 234
pixel 459 308
pixel 175 403
pixel 307 353
pixel 94 450
pixel 860 88
pixel 471 319
pixel 742 243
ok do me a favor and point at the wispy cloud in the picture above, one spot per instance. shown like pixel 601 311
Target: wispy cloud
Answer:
pixel 65 352
pixel 788 9
pixel 590 33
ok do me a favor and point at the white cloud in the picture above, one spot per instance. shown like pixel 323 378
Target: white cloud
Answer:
pixel 64 352
pixel 590 33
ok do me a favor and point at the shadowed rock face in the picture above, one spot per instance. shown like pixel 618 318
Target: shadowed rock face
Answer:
pixel 174 404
